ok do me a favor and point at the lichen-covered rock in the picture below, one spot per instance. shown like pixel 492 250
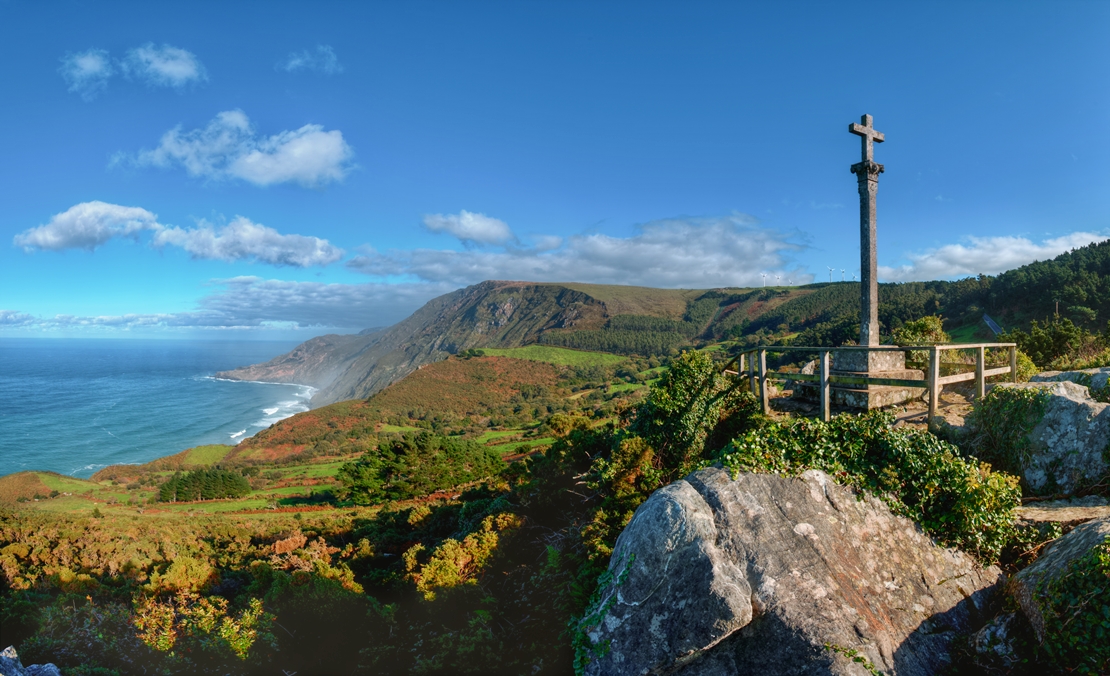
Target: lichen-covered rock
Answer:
pixel 1095 379
pixel 1071 444
pixel 1053 563
pixel 11 666
pixel 773 575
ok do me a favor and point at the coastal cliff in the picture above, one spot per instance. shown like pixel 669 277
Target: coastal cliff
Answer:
pixel 490 314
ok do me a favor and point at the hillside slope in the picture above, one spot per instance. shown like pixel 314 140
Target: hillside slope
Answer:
pixel 490 314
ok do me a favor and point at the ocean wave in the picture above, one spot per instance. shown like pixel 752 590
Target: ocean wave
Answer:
pixel 238 434
pixel 270 411
pixel 95 466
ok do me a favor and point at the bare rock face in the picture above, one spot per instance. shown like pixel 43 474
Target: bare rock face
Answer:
pixel 772 575
pixel 1052 564
pixel 11 666
pixel 1071 444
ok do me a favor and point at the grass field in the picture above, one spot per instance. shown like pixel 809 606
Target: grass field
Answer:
pixel 385 427
pixel 639 300
pixel 517 446
pixel 560 356
pixel 206 455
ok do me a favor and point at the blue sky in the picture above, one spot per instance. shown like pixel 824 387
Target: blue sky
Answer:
pixel 289 169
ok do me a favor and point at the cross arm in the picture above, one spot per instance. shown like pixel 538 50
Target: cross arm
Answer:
pixel 860 130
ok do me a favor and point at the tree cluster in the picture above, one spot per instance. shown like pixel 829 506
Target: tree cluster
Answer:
pixel 204 484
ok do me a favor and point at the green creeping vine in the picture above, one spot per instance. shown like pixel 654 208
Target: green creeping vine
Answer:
pixel 1001 424
pixel 584 650
pixel 855 656
pixel 1101 394
pixel 959 501
pixel 1076 609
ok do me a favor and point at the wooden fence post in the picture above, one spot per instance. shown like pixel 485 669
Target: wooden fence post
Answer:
pixel 980 366
pixel 934 384
pixel 1013 364
pixel 824 385
pixel 751 373
pixel 763 382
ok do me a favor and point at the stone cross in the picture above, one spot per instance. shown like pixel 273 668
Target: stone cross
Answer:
pixel 867 174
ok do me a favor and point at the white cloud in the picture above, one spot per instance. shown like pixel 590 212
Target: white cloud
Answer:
pixel 229 148
pixel 164 66
pixel 469 227
pixel 91 224
pixel 13 319
pixel 983 255
pixel 242 239
pixel 254 303
pixel 87 72
pixel 322 60
pixel 679 252
pixel 87 226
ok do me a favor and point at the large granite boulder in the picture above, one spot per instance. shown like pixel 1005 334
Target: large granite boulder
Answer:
pixel 774 575
pixel 1071 444
pixel 1051 565
pixel 11 666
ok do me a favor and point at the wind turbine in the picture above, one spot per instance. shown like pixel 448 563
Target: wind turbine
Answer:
pixel 842 274
pixel 777 279
pixel 830 273
pixel 764 276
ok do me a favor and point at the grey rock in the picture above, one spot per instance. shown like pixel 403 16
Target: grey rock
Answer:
pixel 1095 379
pixel 994 643
pixel 1051 565
pixel 11 666
pixel 758 574
pixel 1070 445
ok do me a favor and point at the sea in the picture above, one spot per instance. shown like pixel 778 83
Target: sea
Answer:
pixel 73 406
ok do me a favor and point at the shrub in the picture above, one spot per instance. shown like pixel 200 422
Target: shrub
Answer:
pixel 1001 423
pixel 958 501
pixel 416 465
pixel 1058 344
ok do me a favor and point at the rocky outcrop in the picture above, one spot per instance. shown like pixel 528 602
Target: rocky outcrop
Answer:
pixel 1051 565
pixel 490 314
pixel 1071 443
pixel 773 575
pixel 1094 379
pixel 11 666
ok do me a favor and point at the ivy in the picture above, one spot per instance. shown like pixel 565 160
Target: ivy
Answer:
pixel 1076 610
pixel 1001 423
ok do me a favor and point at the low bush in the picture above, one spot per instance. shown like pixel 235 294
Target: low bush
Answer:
pixel 1000 426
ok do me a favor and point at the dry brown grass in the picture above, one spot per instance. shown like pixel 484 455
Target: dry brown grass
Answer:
pixel 21 485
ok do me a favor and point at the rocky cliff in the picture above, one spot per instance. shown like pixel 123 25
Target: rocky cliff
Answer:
pixel 490 314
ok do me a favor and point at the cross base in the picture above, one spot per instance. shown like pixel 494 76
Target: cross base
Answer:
pixel 877 364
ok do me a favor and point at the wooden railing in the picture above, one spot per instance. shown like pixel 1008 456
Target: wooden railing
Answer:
pixel 755 360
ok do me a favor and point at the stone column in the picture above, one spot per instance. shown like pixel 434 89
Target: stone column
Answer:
pixel 867 175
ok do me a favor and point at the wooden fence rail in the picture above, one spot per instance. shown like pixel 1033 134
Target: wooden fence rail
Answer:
pixel 755 360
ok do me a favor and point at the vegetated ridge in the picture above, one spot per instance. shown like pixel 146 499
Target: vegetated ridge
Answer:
pixel 644 321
